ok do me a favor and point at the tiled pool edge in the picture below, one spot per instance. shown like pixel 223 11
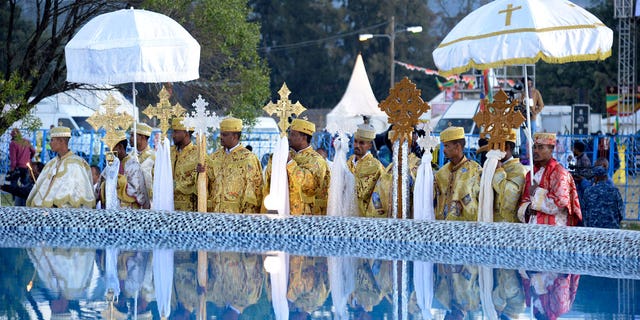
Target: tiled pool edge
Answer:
pixel 614 253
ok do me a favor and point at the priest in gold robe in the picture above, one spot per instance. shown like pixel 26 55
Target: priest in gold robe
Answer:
pixel 508 183
pixel 234 172
pixel 381 202
pixel 65 181
pixel 364 166
pixel 307 172
pixel 131 189
pixel 457 183
pixel 184 159
pixel 146 155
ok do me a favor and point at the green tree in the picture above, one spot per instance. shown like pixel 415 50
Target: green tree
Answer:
pixel 32 57
pixel 233 77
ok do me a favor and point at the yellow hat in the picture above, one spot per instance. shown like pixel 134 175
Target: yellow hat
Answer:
pixel 365 132
pixel 60 132
pixel 513 133
pixel 121 135
pixel 304 126
pixel 452 133
pixel 143 129
pixel 176 124
pixel 544 138
pixel 231 124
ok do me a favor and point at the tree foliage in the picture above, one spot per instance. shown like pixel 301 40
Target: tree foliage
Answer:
pixel 32 58
pixel 233 77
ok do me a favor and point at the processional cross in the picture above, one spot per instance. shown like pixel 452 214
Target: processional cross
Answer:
pixel 111 121
pixel 164 111
pixel 498 118
pixel 404 106
pixel 284 108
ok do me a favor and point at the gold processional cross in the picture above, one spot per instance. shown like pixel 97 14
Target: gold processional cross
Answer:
pixel 509 11
pixel 163 111
pixel 283 109
pixel 497 119
pixel 404 106
pixel 112 121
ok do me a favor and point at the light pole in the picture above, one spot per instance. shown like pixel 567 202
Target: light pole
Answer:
pixel 392 39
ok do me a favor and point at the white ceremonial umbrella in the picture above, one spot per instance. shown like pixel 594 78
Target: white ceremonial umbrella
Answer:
pixel 132 45
pixel 512 32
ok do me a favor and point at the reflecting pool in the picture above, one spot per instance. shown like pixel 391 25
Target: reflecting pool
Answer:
pixel 88 264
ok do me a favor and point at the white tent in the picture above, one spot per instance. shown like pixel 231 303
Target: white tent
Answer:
pixel 357 101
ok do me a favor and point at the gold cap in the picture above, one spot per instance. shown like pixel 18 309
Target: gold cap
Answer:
pixel 304 126
pixel 176 124
pixel 143 129
pixel 231 124
pixel 452 133
pixel 60 132
pixel 366 132
pixel 544 138
pixel 513 133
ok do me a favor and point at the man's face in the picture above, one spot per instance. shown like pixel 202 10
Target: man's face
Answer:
pixel 452 150
pixel 120 151
pixel 228 139
pixel 296 139
pixel 530 83
pixel 360 147
pixel 58 144
pixel 542 152
pixel 179 137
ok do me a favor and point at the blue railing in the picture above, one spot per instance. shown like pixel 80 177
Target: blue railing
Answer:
pixel 624 167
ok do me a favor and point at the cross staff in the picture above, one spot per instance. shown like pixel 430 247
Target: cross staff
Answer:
pixel 498 118
pixel 201 120
pixel 284 108
pixel 404 106
pixel 163 111
pixel 111 121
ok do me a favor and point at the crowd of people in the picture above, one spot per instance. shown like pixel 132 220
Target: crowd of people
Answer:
pixel 237 183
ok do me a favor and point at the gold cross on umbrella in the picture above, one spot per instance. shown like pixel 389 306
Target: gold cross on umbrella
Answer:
pixel 283 109
pixel 163 111
pixel 111 121
pixel 497 119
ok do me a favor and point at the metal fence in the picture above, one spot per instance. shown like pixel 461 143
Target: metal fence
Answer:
pixel 622 152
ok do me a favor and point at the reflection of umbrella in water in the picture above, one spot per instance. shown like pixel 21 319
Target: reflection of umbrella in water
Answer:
pixel 511 32
pixel 132 45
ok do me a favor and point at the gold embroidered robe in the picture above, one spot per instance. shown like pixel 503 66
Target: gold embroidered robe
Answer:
pixel 380 205
pixel 508 184
pixel 457 189
pixel 183 163
pixel 65 182
pixel 235 181
pixel 235 279
pixel 308 282
pixel 147 159
pixel 308 175
pixel 131 189
pixel 366 172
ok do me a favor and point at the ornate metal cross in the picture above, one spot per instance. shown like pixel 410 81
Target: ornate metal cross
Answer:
pixel 404 106
pixel 283 109
pixel 497 119
pixel 163 111
pixel 111 121
pixel 202 119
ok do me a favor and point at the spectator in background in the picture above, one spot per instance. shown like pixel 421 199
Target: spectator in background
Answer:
pixel 20 153
pixel 603 205
pixel 581 168
pixel 22 191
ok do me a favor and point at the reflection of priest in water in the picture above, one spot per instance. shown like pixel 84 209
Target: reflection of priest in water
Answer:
pixel 235 282
pixel 65 275
pixel 374 283
pixel 308 285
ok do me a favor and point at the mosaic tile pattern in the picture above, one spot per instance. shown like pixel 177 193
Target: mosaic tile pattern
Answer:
pixel 599 252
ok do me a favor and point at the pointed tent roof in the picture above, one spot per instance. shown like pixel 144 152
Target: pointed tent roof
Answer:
pixel 358 100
